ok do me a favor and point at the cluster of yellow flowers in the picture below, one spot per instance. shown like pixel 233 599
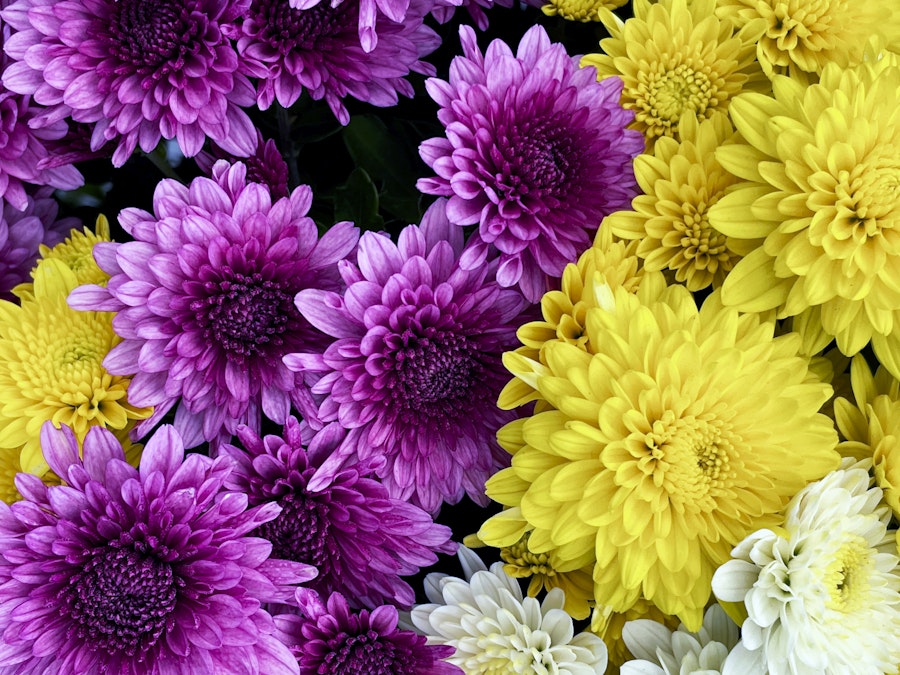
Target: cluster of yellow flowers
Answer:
pixel 687 381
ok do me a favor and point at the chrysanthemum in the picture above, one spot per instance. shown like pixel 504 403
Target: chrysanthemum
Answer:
pixel 329 638
pixel 23 231
pixel 676 57
pixel 609 624
pixel 653 460
pixel 138 571
pixel 265 165
pixel 680 182
pixel 823 595
pixel 335 518
pixel 495 630
pixel 138 70
pixel 579 10
pixel 802 36
pixel 818 211
pixel 659 651
pixel 414 369
pixel 204 296
pixel 317 50
pixel 51 368
pixel 536 153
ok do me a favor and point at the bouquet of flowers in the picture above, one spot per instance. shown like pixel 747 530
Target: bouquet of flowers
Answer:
pixel 300 298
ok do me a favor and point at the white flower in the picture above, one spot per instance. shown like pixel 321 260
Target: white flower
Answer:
pixel 660 651
pixel 495 630
pixel 823 597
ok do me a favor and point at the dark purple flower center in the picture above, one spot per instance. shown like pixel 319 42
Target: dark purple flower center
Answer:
pixel 121 600
pixel 366 654
pixel 300 532
pixel 153 33
pixel 288 30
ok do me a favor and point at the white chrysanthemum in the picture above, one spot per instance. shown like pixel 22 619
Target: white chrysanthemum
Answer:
pixel 495 630
pixel 660 651
pixel 823 596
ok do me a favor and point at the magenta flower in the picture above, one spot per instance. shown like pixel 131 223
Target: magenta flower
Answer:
pixel 415 367
pixel 317 50
pixel 204 296
pixel 23 231
pixel 264 165
pixel 335 517
pixel 330 639
pixel 367 16
pixel 138 572
pixel 536 154
pixel 139 70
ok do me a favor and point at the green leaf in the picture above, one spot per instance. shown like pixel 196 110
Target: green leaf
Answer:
pixel 357 200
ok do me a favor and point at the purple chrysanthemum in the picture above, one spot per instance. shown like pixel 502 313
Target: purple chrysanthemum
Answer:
pixel 335 517
pixel 23 231
pixel 264 165
pixel 317 49
pixel 536 154
pixel 415 368
pixel 204 296
pixel 138 70
pixel 367 16
pixel 138 572
pixel 445 9
pixel 329 639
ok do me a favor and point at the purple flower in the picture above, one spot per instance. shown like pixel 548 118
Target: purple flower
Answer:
pixel 265 165
pixel 536 154
pixel 415 369
pixel 367 16
pixel 445 9
pixel 334 517
pixel 137 69
pixel 204 296
pixel 23 231
pixel 138 572
pixel 317 49
pixel 330 639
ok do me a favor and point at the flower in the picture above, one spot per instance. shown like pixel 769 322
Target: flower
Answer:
pixel 23 231
pixel 823 593
pixel 414 368
pixel 676 57
pixel 335 518
pixel 149 570
pixel 680 182
pixel 802 37
pixel 204 296
pixel 579 10
pixel 137 70
pixel 444 10
pixel 660 651
pixel 651 460
pixel 817 213
pixel 265 165
pixel 535 154
pixel 328 638
pixel 316 49
pixel 609 625
pixel 495 630
pixel 51 368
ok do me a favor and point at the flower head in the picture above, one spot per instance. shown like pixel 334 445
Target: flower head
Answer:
pixel 204 296
pixel 675 57
pixel 414 369
pixel 579 10
pixel 335 517
pixel 317 50
pixel 651 460
pixel 536 153
pixel 822 594
pixel 133 571
pixel 138 70
pixel 265 165
pixel 495 630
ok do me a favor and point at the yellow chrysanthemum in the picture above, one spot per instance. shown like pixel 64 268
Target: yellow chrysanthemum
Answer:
pixel 819 206
pixel 579 10
pixel 680 182
pixel 608 625
pixel 802 36
pixel 683 432
pixel 51 368
pixel 676 57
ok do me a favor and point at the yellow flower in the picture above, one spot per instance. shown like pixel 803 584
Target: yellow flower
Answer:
pixel 51 368
pixel 579 10
pixel 819 205
pixel 608 625
pixel 680 182
pixel 684 431
pixel 676 57
pixel 802 36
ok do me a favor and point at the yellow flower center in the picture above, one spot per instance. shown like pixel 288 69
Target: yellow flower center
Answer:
pixel 520 556
pixel 579 10
pixel 846 578
pixel 670 93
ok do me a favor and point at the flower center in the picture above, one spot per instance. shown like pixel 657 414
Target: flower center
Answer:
pixel 153 34
pixel 300 532
pixel 677 90
pixel 288 30
pixel 795 25
pixel 846 577
pixel 520 556
pixel 364 654
pixel 121 601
